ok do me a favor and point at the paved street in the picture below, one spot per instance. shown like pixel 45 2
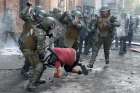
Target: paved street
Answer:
pixel 122 76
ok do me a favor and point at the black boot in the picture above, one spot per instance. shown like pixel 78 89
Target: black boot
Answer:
pixel 24 74
pixel 84 70
pixel 106 57
pixel 90 65
pixel 40 82
pixel 107 61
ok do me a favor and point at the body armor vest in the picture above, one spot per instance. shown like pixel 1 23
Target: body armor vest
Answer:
pixel 103 24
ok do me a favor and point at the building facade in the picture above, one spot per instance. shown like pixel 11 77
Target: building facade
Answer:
pixel 17 5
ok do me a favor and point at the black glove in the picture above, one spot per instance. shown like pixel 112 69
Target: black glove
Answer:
pixel 50 35
pixel 41 56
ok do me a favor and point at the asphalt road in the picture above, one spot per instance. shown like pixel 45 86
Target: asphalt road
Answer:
pixel 122 76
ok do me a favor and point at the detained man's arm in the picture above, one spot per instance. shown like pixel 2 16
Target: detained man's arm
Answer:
pixel 58 71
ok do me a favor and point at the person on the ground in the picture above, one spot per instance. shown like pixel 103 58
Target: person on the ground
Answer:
pixel 66 58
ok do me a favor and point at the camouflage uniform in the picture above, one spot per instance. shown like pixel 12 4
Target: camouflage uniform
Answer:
pixel 104 35
pixel 83 35
pixel 32 44
pixel 91 37
pixel 26 16
pixel 73 30
pixel 56 13
pixel 28 45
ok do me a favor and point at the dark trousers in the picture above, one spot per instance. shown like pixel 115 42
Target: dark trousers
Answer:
pixel 81 45
pixel 69 68
pixel 123 49
pixel 116 41
pixel 130 38
pixel 106 42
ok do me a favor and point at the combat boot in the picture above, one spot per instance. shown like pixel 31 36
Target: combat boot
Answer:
pixel 24 74
pixel 107 61
pixel 84 70
pixel 39 82
pixel 90 65
pixel 107 64
pixel 31 87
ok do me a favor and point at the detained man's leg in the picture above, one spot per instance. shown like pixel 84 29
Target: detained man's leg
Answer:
pixel 76 68
pixel 82 69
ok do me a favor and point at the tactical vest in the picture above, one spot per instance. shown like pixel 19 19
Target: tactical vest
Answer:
pixel 103 24
pixel 28 38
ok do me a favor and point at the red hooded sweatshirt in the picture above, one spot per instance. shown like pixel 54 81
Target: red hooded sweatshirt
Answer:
pixel 66 56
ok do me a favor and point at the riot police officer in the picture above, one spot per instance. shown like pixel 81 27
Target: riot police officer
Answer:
pixel 74 27
pixel 104 34
pixel 27 16
pixel 32 42
pixel 56 13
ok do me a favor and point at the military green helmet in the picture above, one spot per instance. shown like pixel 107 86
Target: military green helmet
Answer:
pixel 48 23
pixel 56 10
pixel 37 8
pixel 39 14
pixel 104 8
pixel 76 13
pixel 29 3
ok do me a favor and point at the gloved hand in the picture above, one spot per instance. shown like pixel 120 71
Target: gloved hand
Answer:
pixel 50 35
pixel 41 56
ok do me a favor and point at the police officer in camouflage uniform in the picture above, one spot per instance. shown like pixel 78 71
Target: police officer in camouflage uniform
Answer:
pixel 32 42
pixel 90 39
pixel 74 28
pixel 56 13
pixel 104 34
pixel 83 34
pixel 27 16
